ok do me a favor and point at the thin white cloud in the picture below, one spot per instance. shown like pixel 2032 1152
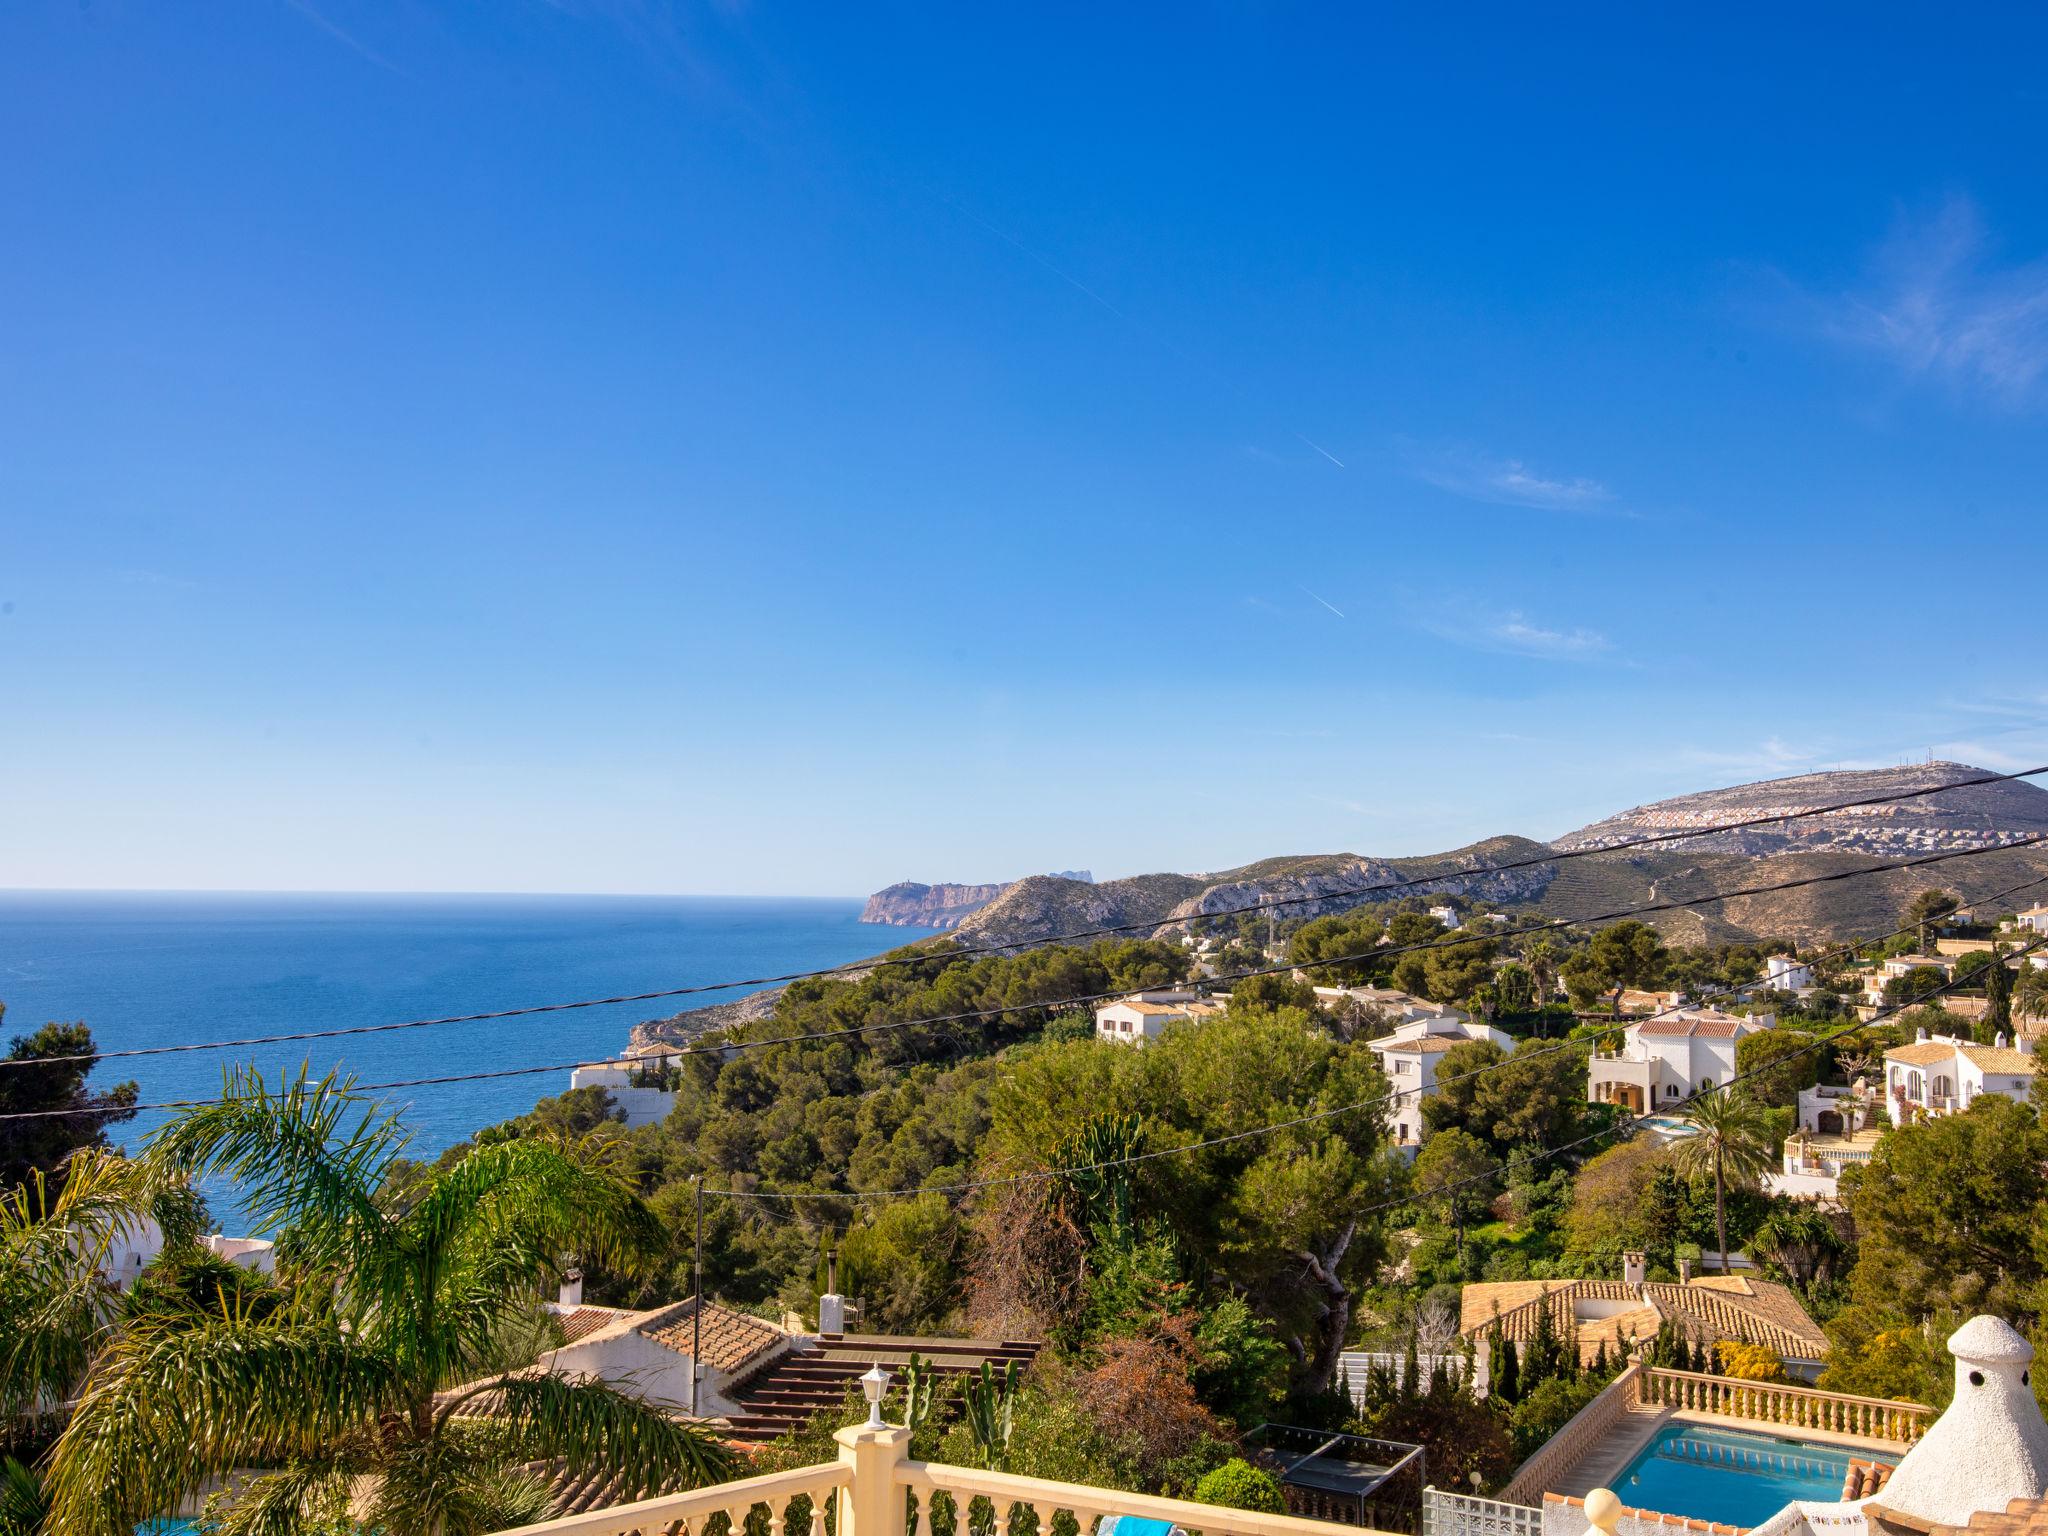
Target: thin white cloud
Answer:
pixel 1514 633
pixel 1511 483
pixel 1939 305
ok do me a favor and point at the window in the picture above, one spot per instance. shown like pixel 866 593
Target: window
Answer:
pixel 1671 1090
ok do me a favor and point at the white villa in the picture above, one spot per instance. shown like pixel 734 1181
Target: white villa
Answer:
pixel 1834 1131
pixel 1409 1057
pixel 640 1105
pixel 1144 1015
pixel 1784 973
pixel 1940 1075
pixel 1897 966
pixel 2035 919
pixel 1404 1007
pixel 1663 1060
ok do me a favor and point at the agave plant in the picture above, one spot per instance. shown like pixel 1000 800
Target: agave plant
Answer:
pixel 386 1387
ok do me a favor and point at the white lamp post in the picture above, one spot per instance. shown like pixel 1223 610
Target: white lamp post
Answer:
pixel 873 1385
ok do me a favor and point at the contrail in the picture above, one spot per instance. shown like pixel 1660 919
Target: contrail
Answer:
pixel 1319 448
pixel 1324 600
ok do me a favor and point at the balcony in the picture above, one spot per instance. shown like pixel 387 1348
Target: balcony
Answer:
pixel 874 1490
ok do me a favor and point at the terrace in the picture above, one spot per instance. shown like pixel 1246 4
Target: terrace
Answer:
pixel 873 1489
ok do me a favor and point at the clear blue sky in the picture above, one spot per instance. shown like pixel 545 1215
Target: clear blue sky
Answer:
pixel 788 448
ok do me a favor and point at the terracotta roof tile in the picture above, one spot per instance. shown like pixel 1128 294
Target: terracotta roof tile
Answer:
pixel 584 1321
pixel 731 1339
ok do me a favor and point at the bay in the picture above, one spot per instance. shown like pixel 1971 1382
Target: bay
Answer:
pixel 150 969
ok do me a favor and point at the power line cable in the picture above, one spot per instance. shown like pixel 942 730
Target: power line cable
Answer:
pixel 948 957
pixel 961 952
pixel 1318 1116
pixel 1446 941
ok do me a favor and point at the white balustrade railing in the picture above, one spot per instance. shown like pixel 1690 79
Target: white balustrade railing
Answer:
pixel 796 1501
pixel 872 1490
pixel 1770 1402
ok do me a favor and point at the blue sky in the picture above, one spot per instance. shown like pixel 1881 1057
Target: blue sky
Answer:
pixel 789 448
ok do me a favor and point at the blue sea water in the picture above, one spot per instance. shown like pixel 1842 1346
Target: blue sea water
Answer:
pixel 150 969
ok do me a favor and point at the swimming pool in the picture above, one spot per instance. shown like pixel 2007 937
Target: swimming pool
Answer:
pixel 1728 1475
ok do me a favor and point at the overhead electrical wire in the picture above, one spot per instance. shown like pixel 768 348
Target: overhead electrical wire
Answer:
pixel 961 952
pixel 1377 1101
pixel 1378 953
pixel 1327 962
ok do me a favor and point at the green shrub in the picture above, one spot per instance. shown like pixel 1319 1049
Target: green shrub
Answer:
pixel 1237 1484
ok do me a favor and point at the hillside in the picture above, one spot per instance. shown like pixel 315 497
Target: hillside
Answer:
pixel 1980 816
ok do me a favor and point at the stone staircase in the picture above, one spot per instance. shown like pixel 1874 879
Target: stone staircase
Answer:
pixel 816 1374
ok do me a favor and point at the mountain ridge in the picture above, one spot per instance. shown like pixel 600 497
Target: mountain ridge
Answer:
pixel 1972 817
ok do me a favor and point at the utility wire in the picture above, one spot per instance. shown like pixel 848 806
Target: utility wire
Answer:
pixel 963 952
pixel 947 957
pixel 1318 1116
pixel 1379 953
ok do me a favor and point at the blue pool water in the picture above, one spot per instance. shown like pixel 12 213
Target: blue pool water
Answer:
pixel 1727 1475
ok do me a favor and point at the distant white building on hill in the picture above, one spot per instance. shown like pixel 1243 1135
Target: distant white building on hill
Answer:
pixel 1409 1056
pixel 1144 1016
pixel 1940 1075
pixel 640 1103
pixel 1664 1060
pixel 1784 973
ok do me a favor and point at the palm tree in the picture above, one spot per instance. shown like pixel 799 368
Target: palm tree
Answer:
pixel 385 1387
pixel 1732 1138
pixel 56 1306
pixel 2030 993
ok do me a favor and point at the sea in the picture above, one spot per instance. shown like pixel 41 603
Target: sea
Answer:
pixel 155 969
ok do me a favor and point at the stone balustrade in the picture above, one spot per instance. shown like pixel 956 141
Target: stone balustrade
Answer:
pixel 1584 1431
pixel 1770 1402
pixel 873 1487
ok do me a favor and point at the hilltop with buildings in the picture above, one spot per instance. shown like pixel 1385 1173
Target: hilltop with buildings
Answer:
pixel 1514 876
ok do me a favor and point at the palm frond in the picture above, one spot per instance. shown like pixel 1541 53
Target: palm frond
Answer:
pixel 594 1426
pixel 300 1497
pixel 168 1406
pixel 465 1481
pixel 550 1199
pixel 55 1306
pixel 23 1504
pixel 309 1158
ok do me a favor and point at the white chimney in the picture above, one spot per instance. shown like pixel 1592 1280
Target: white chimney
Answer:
pixel 1920 1034
pixel 1999 1040
pixel 1634 1269
pixel 572 1289
pixel 1990 1444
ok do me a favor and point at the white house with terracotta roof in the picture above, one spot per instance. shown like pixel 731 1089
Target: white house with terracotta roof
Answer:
pixel 1664 1060
pixel 1409 1057
pixel 652 1350
pixel 1144 1015
pixel 1939 1074
pixel 1402 1007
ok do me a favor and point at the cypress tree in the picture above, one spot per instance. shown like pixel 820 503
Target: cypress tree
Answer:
pixel 1507 1372
pixel 1411 1372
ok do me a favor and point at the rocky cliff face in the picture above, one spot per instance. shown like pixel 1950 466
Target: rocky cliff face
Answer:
pixel 908 904
pixel 1045 906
